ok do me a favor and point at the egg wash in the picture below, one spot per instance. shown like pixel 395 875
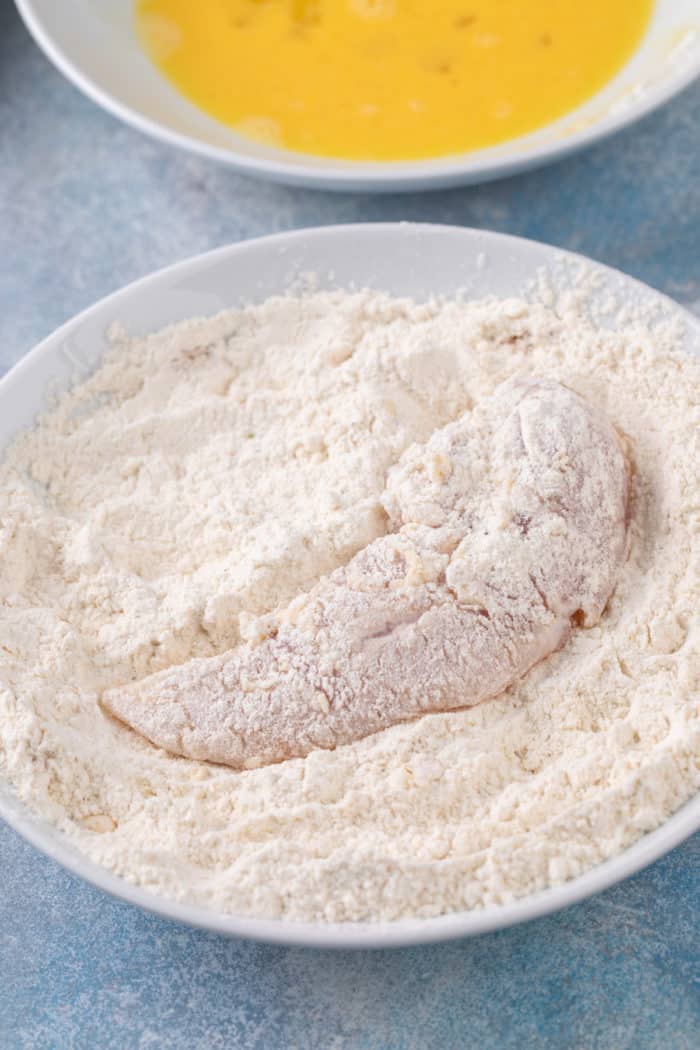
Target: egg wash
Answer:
pixel 389 79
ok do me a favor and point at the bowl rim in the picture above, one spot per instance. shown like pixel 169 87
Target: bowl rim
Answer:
pixel 391 176
pixel 398 933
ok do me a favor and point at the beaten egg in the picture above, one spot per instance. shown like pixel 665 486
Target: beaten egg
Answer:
pixel 389 79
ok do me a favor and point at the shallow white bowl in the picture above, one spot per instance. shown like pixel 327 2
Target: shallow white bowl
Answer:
pixel 93 43
pixel 404 259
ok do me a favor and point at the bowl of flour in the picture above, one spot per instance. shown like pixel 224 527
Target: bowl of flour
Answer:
pixel 201 448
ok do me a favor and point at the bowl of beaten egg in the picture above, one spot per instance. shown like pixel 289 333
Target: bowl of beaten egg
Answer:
pixel 374 94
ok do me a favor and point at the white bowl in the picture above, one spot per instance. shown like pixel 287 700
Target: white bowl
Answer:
pixel 405 259
pixel 95 46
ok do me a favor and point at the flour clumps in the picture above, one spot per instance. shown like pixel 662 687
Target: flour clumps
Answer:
pixel 210 473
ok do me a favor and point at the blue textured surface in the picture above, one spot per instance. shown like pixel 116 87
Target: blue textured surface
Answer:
pixel 87 205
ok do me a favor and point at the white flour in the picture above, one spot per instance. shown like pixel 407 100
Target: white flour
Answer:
pixel 206 474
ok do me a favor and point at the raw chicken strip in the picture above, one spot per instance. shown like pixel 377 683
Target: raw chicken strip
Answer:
pixel 508 526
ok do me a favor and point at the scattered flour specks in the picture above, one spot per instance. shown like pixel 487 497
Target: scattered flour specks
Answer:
pixel 206 474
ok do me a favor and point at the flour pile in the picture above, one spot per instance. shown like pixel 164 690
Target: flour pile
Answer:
pixel 209 473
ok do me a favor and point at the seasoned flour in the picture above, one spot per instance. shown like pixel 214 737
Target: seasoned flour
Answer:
pixel 209 473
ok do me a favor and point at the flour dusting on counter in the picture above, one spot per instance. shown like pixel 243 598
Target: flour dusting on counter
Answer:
pixel 209 473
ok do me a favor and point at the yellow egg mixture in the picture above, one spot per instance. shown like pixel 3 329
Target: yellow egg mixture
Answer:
pixel 389 79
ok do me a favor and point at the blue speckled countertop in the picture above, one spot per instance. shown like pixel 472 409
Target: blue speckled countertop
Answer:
pixel 87 205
